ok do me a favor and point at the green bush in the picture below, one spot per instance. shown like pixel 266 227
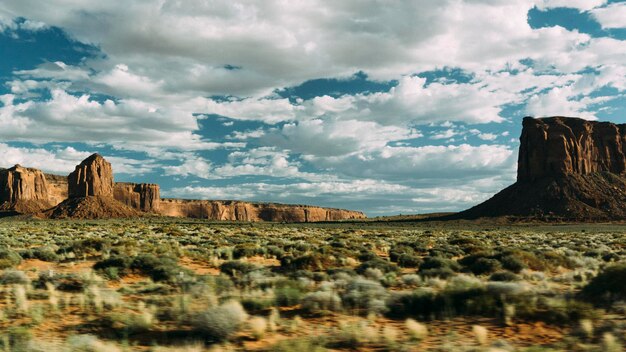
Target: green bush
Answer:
pixel 380 264
pixel 288 293
pixel 409 261
pixel 485 266
pixel 12 277
pixel 608 286
pixel 236 268
pixel 9 258
pixel 219 323
pixel 320 301
pixel 504 276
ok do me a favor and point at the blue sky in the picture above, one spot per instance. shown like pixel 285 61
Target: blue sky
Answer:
pixel 407 108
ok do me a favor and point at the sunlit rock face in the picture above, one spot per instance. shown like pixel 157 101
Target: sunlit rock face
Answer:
pixel 247 211
pixel 92 177
pixel 142 196
pixel 23 189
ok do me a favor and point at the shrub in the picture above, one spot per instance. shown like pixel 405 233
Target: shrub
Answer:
pixel 485 266
pixel 13 277
pixel 380 264
pixel 114 267
pixel 236 268
pixel 9 258
pixel 90 343
pixel 62 282
pixel 439 263
pixel 45 254
pixel 288 294
pixel 219 323
pixel 409 261
pixel 608 286
pixel 311 262
pixel 504 276
pixel 513 263
pixel 365 295
pixel 159 269
pixel 316 302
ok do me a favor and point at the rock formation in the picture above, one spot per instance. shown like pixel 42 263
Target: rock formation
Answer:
pixel 89 192
pixel 57 188
pixel 558 146
pixel 248 211
pixel 23 190
pixel 568 169
pixel 142 196
pixel 93 177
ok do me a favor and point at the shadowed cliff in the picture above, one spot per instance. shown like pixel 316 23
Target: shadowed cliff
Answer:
pixel 568 169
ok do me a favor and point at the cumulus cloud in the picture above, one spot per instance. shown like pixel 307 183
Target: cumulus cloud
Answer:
pixel 408 164
pixel 612 16
pixel 575 4
pixel 63 160
pixel 167 66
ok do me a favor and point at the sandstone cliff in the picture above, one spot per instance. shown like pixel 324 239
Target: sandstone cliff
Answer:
pixel 247 211
pixel 558 146
pixel 89 192
pixel 92 177
pixel 568 169
pixel 57 188
pixel 142 196
pixel 23 190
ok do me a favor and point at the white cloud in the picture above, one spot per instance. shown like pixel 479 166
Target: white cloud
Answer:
pixel 333 137
pixel 253 162
pixel 612 16
pixel 63 160
pixel 582 5
pixel 162 61
pixel 562 102
pixel 417 164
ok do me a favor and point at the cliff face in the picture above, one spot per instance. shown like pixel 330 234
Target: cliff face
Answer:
pixel 142 196
pixel 568 169
pixel 245 211
pixel 23 189
pixel 57 188
pixel 557 146
pixel 93 177
pixel 89 193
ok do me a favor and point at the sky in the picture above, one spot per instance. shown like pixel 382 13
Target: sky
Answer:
pixel 388 107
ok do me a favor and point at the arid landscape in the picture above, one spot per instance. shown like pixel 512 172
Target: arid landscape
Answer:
pixel 313 175
pixel 175 285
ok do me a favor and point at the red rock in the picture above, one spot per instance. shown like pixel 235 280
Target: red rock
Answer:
pixel 142 196
pixel 558 146
pixel 247 211
pixel 568 169
pixel 93 177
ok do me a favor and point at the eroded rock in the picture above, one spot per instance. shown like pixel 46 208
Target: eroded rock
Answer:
pixel 92 177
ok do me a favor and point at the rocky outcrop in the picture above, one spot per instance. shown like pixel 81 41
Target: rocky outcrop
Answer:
pixel 90 193
pixel 558 146
pixel 247 211
pixel 142 196
pixel 92 177
pixel 57 188
pixel 92 207
pixel 23 190
pixel 568 169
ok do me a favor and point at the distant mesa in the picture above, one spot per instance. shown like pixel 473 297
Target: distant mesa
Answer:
pixel 90 192
pixel 568 169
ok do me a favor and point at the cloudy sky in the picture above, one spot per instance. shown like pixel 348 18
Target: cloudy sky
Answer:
pixel 382 106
